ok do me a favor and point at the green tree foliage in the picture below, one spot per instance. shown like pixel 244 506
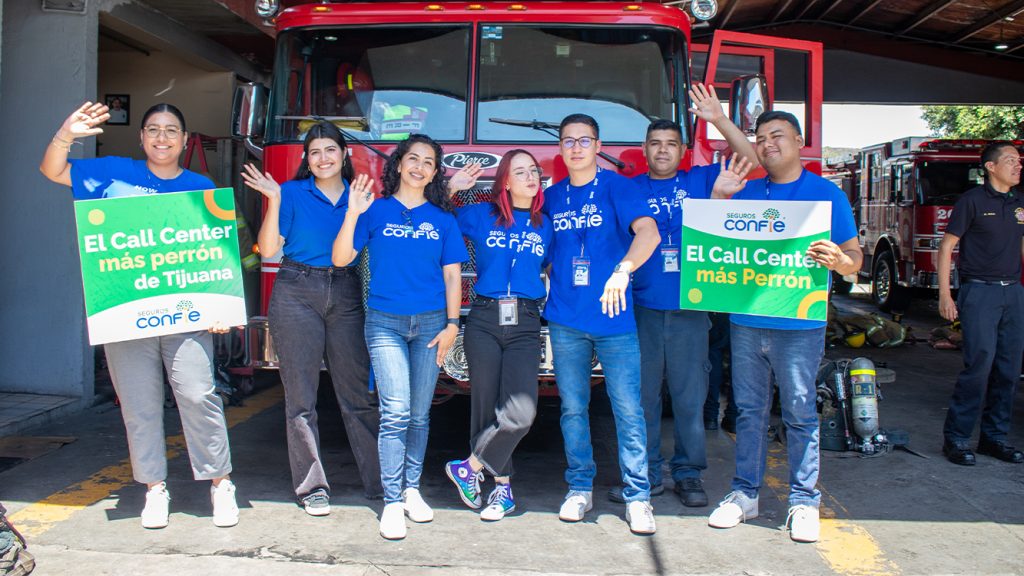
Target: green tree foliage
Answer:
pixel 985 122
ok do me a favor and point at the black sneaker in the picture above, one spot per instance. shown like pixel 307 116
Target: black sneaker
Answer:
pixel 691 492
pixel 1000 450
pixel 317 503
pixel 958 453
pixel 729 424
pixel 615 494
pixel 711 423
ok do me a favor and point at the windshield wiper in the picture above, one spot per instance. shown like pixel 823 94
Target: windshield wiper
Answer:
pixel 549 128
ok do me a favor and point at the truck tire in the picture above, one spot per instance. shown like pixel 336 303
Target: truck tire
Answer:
pixel 885 291
pixel 840 286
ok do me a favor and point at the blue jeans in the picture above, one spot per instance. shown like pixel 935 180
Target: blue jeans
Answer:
pixel 793 357
pixel 718 344
pixel 619 356
pixel 674 349
pixel 406 374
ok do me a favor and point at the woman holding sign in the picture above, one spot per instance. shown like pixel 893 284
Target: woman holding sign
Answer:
pixel 136 366
pixel 316 313
pixel 413 310
pixel 510 237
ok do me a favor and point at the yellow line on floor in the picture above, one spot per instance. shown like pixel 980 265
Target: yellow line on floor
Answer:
pixel 847 548
pixel 35 519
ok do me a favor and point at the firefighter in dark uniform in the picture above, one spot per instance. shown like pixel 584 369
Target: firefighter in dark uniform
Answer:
pixel 988 223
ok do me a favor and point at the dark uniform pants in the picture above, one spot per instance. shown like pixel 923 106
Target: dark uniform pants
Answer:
pixel 992 320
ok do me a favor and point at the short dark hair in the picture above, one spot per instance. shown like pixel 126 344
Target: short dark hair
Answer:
pixel 665 124
pixel 773 115
pixel 579 119
pixel 991 152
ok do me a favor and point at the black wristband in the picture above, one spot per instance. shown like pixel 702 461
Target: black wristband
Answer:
pixel 454 321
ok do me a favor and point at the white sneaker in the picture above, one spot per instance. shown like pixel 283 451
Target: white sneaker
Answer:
pixel 577 503
pixel 158 504
pixel 415 507
pixel 735 508
pixel 225 509
pixel 803 523
pixel 640 516
pixel 392 521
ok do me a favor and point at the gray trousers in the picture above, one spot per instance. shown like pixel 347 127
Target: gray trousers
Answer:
pixel 136 368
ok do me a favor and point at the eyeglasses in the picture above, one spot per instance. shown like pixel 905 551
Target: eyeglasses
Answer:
pixel 584 142
pixel 171 132
pixel 407 216
pixel 525 175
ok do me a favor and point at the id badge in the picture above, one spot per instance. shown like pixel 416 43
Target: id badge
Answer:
pixel 581 271
pixel 669 259
pixel 508 311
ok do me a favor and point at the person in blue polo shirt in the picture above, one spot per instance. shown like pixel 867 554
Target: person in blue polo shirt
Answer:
pixel 412 318
pixel 137 367
pixel 674 342
pixel 789 349
pixel 511 239
pixel 316 314
pixel 604 231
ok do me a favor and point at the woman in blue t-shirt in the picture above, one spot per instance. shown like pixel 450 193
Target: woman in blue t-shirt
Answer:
pixel 510 237
pixel 316 313
pixel 412 318
pixel 137 366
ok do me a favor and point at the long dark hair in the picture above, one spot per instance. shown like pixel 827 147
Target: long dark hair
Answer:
pixel 324 129
pixel 165 107
pixel 436 190
pixel 502 198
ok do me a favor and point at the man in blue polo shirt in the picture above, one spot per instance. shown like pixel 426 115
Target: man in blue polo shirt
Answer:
pixel 789 349
pixel 674 342
pixel 603 232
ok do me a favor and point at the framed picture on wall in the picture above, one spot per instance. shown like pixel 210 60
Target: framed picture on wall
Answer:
pixel 120 109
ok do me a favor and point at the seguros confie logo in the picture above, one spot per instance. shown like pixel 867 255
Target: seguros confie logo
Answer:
pixel 184 312
pixel 770 221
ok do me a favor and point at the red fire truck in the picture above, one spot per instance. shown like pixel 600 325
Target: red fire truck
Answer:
pixel 485 77
pixel 907 191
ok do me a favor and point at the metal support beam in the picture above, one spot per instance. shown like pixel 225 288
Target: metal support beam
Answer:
pixel 996 17
pixel 780 10
pixel 807 8
pixel 728 13
pixel 929 11
pixel 866 9
pixel 829 9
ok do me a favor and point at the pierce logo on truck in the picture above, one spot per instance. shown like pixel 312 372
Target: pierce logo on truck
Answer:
pixel 459 160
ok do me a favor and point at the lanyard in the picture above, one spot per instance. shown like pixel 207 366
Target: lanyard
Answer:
pixel 581 232
pixel 671 204
pixel 768 184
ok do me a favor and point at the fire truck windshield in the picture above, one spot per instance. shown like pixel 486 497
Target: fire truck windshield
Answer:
pixel 382 83
pixel 940 183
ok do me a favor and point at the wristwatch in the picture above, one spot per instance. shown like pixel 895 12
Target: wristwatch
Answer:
pixel 621 268
pixel 453 321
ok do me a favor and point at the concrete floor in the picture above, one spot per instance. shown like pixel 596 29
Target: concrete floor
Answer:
pixel 896 514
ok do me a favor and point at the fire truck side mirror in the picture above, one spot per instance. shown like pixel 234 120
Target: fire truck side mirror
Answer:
pixel 749 100
pixel 249 111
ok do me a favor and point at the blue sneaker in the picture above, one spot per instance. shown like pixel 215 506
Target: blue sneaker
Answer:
pixel 499 503
pixel 467 481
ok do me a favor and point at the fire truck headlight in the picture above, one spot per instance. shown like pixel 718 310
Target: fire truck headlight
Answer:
pixel 267 8
pixel 704 9
pixel 455 364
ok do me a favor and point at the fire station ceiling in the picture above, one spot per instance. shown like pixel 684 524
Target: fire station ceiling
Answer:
pixel 877 51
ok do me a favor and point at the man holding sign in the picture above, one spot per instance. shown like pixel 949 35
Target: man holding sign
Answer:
pixel 789 348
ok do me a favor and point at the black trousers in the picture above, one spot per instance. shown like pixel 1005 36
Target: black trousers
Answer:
pixel 316 315
pixel 992 320
pixel 503 362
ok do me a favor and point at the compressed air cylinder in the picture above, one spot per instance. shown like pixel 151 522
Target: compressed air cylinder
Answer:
pixel 863 398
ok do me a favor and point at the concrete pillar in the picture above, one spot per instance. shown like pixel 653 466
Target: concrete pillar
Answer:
pixel 48 68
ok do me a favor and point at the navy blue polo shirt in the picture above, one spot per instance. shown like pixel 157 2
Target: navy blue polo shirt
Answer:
pixel 591 222
pixel 508 260
pixel 652 286
pixel 309 221
pixel 990 226
pixel 408 250
pixel 116 177
pixel 809 187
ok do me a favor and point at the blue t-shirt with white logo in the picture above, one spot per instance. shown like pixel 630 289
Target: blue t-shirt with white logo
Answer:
pixel 408 249
pixel 117 177
pixel 591 222
pixel 508 260
pixel 309 221
pixel 809 187
pixel 652 286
